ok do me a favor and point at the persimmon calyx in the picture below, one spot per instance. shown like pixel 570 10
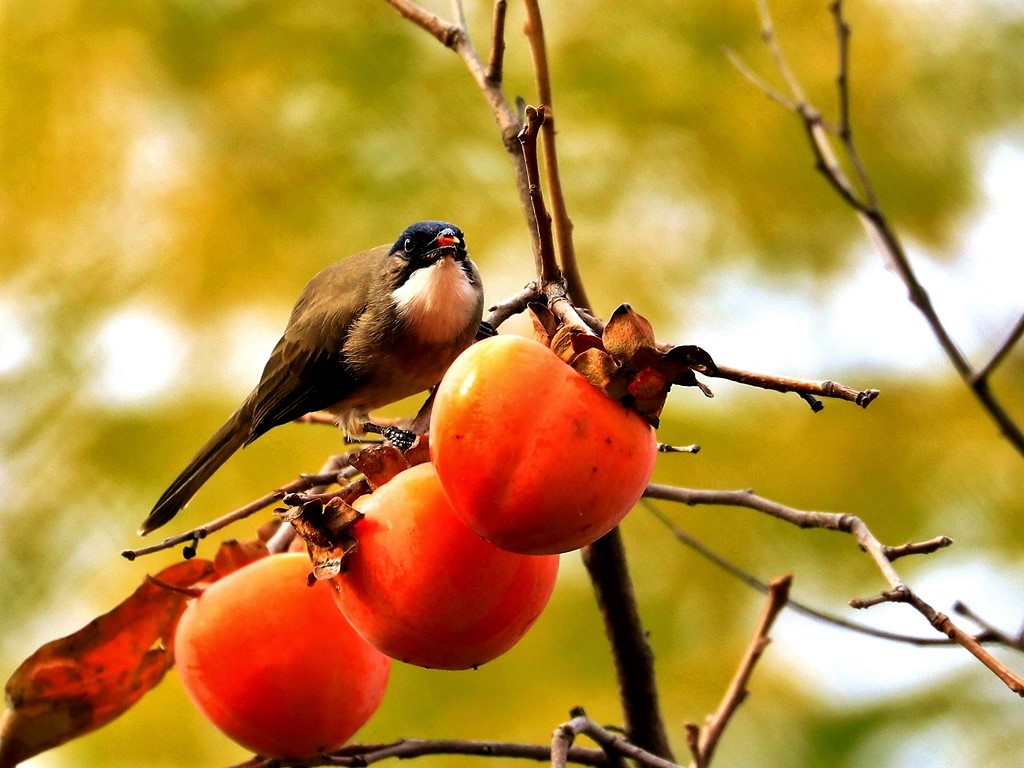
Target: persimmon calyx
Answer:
pixel 626 362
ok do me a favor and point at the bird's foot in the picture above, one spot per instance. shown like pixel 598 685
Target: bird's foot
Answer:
pixel 402 439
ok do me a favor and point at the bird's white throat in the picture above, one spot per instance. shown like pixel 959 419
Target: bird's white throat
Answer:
pixel 437 302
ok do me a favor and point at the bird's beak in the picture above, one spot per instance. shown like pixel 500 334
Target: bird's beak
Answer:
pixel 447 241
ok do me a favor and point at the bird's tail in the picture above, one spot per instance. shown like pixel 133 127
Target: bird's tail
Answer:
pixel 218 449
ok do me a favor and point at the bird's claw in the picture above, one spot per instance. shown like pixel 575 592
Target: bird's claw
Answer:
pixel 402 439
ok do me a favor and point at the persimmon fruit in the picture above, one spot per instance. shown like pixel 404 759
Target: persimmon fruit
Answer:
pixel 533 457
pixel 274 665
pixel 423 588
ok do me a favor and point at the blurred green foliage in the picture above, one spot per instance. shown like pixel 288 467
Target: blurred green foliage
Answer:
pixel 202 159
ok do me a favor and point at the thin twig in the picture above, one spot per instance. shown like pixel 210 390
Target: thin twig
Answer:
pixel 794 605
pixel 944 624
pixel 566 733
pixel 496 61
pixel 1002 351
pixel 853 525
pixel 302 483
pixel 549 271
pixel 505 115
pixel 864 203
pixel 736 693
pixel 404 749
pixel 513 305
pixel 561 223
pixel 990 632
pixel 832 389
pixel 917 548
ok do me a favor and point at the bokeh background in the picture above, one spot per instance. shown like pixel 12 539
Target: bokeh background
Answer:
pixel 173 171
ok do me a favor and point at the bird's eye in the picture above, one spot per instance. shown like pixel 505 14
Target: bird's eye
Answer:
pixel 408 245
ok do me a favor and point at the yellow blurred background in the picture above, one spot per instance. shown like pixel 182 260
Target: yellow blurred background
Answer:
pixel 173 171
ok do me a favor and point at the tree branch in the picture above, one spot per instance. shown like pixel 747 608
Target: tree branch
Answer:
pixel 405 749
pixel 736 694
pixel 562 224
pixel 192 537
pixel 605 561
pixel 867 209
pixel 898 592
pixel 612 744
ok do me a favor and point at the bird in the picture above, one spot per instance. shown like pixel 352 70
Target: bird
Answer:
pixel 366 331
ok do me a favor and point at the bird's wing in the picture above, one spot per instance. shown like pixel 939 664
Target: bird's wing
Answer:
pixel 307 371
pixel 299 378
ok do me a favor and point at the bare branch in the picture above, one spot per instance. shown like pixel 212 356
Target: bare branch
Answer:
pixel 566 733
pixel 549 272
pixel 865 205
pixel 794 605
pixel 832 389
pixel 496 62
pixel 944 624
pixel 562 224
pixel 191 537
pixel 917 548
pixel 990 632
pixel 606 565
pixel 898 592
pixel 736 694
pixel 1001 352
pixel 404 749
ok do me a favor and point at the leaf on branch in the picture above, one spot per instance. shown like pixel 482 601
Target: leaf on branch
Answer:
pixel 233 554
pixel 78 683
pixel 627 363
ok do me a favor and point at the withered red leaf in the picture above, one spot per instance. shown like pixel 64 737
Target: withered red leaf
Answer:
pixel 233 554
pixel 78 683
pixel 544 322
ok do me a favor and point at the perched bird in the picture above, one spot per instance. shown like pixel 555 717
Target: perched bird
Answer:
pixel 366 331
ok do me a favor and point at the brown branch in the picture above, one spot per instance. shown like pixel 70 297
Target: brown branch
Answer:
pixel 917 548
pixel 513 305
pixel 458 39
pixel 446 33
pixel 496 61
pixel 1001 352
pixel 990 632
pixel 865 205
pixel 832 389
pixel 737 692
pixel 794 605
pixel 404 749
pixel 192 537
pixel 853 525
pixel 562 224
pixel 944 624
pixel 605 561
pixel 612 744
pixel 549 272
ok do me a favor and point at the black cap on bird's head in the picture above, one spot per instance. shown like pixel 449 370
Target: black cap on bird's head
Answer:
pixel 425 242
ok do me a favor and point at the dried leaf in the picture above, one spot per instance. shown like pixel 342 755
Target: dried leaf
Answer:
pixel 561 343
pixel 379 463
pixel 233 554
pixel 78 683
pixel 598 368
pixel 626 332
pixel 544 322
pixel 326 528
